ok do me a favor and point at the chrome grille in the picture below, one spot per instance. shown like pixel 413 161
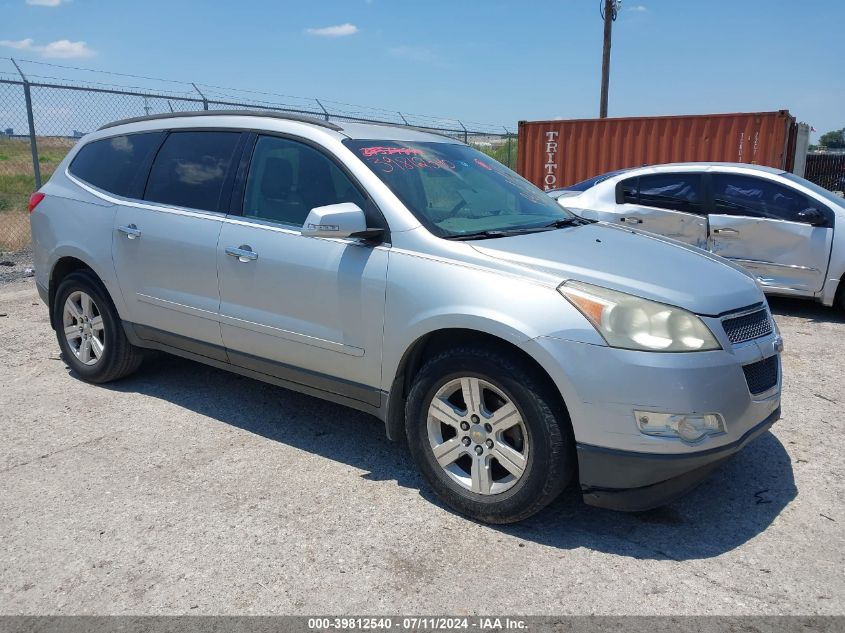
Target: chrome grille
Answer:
pixel 762 375
pixel 746 327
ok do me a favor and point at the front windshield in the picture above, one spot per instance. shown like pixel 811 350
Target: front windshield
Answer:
pixel 454 190
pixel 829 195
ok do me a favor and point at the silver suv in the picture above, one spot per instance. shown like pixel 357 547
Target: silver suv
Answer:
pixel 512 344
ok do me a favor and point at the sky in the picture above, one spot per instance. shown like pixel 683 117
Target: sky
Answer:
pixel 494 61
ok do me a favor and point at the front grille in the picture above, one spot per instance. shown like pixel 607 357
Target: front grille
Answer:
pixel 748 326
pixel 762 375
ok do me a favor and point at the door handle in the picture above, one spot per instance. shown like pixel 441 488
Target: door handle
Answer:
pixel 631 220
pixel 130 231
pixel 244 253
pixel 727 231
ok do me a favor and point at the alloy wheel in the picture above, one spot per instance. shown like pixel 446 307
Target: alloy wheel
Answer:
pixel 477 436
pixel 83 327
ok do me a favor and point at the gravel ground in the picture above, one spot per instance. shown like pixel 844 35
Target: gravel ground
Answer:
pixel 185 489
pixel 16 266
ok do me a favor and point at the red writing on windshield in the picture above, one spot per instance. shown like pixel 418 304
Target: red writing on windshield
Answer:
pixel 375 151
pixel 405 163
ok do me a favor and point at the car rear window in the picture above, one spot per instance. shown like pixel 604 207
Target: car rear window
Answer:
pixel 190 169
pixel 592 182
pixel 114 164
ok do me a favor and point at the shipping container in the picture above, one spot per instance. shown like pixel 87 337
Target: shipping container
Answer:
pixel 560 153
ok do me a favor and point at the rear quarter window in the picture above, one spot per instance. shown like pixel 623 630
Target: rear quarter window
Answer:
pixel 116 164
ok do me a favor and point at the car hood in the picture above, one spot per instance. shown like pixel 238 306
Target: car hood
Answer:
pixel 644 265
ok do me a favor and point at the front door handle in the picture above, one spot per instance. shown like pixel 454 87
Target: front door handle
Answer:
pixel 243 253
pixel 631 220
pixel 727 231
pixel 130 231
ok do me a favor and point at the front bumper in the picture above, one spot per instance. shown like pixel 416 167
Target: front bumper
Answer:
pixel 630 481
pixel 619 466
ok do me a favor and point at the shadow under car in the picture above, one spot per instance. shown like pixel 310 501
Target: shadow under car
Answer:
pixel 737 502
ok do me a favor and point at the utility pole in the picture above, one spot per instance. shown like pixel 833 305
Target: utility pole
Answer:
pixel 609 11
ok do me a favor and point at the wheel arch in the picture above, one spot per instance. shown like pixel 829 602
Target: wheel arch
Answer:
pixel 833 291
pixel 432 343
pixel 839 296
pixel 63 266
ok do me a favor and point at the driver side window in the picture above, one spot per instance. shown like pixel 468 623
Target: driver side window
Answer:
pixel 288 178
pixel 757 198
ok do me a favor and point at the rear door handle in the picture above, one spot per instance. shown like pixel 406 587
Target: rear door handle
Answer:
pixel 243 253
pixel 130 231
pixel 631 220
pixel 727 231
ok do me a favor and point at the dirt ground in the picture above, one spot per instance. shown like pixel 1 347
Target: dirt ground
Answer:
pixel 185 489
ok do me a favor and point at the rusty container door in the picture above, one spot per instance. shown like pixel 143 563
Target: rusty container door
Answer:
pixel 560 153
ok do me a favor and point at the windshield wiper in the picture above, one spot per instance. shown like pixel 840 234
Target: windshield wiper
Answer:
pixel 493 233
pixel 478 235
pixel 573 221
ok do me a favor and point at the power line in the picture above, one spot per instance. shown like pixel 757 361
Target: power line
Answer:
pixel 355 110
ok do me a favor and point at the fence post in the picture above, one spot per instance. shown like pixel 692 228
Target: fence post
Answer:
pixel 36 166
pixel 403 118
pixel 325 112
pixel 508 136
pixel 204 100
pixel 466 138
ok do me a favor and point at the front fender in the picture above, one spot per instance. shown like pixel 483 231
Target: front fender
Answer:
pixel 427 295
pixel 836 267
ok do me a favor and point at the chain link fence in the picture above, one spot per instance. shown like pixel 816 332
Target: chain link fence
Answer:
pixel 62 111
pixel 826 170
pixel 16 175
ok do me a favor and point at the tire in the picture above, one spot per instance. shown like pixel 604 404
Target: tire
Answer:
pixel 110 356
pixel 538 434
pixel 840 295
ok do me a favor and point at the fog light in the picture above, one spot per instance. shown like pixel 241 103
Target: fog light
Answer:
pixel 690 428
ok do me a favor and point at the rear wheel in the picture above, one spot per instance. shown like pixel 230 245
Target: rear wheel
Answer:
pixel 488 435
pixel 89 331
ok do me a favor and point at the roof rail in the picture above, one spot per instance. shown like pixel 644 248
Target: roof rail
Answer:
pixel 289 116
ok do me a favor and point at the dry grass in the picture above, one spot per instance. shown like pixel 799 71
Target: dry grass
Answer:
pixel 14 232
pixel 17 182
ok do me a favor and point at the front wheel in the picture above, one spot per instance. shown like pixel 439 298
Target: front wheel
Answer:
pixel 489 435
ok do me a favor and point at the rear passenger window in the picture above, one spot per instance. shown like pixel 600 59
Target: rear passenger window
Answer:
pixel 116 164
pixel 676 192
pixel 287 179
pixel 190 169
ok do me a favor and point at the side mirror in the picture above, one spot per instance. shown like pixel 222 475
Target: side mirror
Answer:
pixel 812 216
pixel 345 219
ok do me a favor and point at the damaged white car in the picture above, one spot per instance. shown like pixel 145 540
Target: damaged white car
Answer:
pixel 781 227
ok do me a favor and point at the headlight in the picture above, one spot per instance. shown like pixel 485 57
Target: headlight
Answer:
pixel 630 322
